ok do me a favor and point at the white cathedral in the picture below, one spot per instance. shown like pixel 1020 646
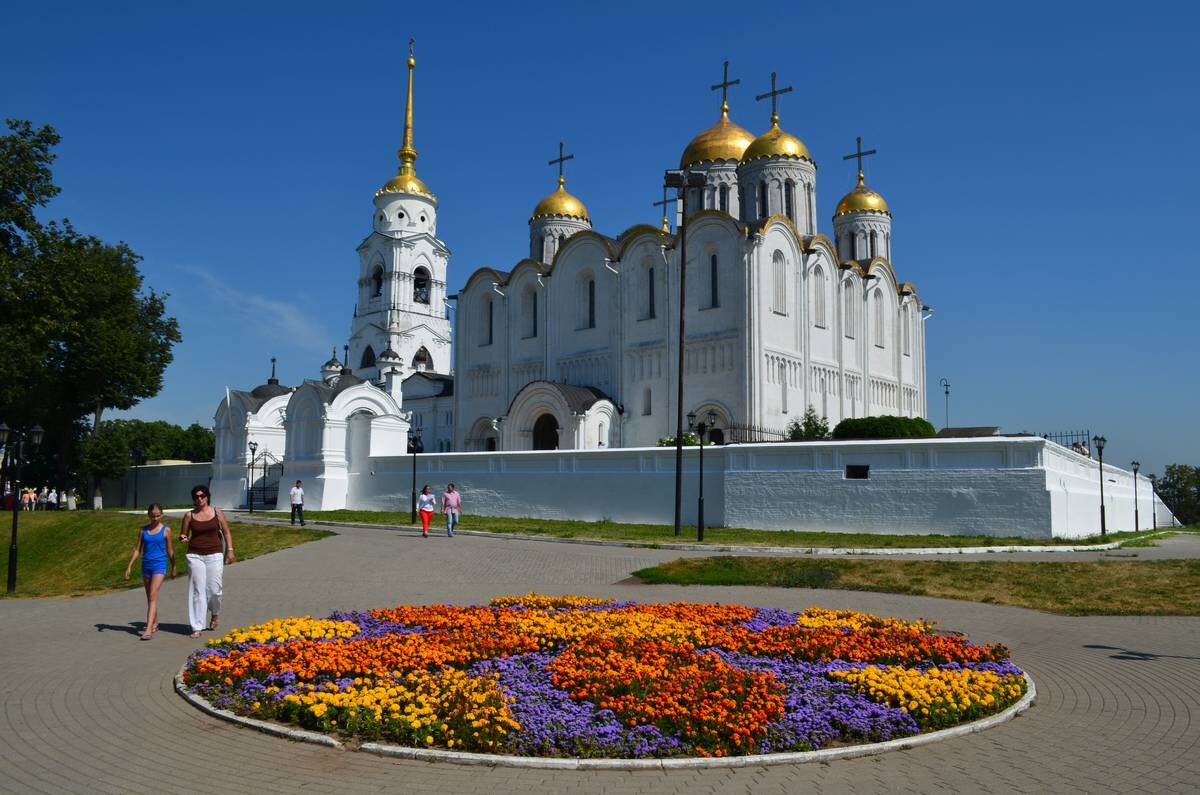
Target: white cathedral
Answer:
pixel 576 345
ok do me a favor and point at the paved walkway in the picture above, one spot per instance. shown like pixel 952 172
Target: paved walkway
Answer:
pixel 89 708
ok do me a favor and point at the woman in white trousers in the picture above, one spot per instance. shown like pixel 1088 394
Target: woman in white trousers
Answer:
pixel 210 549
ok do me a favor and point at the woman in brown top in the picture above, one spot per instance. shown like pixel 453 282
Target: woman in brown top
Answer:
pixel 206 532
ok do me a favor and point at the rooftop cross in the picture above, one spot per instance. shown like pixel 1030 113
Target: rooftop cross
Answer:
pixel 859 154
pixel 559 161
pixel 774 95
pixel 666 227
pixel 724 86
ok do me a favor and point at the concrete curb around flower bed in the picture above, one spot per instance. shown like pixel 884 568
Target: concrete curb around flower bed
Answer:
pixel 747 550
pixel 554 763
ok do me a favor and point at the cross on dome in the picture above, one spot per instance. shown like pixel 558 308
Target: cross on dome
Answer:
pixel 859 154
pixel 774 95
pixel 724 86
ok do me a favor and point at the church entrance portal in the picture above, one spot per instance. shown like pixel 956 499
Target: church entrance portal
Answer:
pixel 545 433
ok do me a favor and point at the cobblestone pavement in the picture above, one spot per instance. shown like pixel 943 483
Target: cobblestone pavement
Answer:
pixel 89 708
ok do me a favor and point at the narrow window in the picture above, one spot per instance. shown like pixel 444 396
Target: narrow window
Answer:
pixel 489 315
pixel 377 282
pixel 783 385
pixel 650 292
pixel 874 245
pixel 591 303
pixel 858 471
pixel 789 200
pixel 853 246
pixel 724 198
pixel 533 312
pixel 646 402
pixel 848 310
pixel 712 282
pixel 779 283
pixel 368 357
pixel 741 203
pixel 907 321
pixel 878 319
pixel 818 290
pixel 762 200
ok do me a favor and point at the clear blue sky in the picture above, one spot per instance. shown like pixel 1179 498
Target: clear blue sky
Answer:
pixel 1039 160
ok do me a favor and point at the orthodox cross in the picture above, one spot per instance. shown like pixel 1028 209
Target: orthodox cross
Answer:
pixel 560 160
pixel 859 154
pixel 663 204
pixel 724 86
pixel 774 95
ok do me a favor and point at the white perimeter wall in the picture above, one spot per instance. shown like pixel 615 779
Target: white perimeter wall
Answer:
pixel 1019 486
pixel 170 484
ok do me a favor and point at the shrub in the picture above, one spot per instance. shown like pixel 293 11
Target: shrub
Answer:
pixel 810 427
pixel 884 427
pixel 689 440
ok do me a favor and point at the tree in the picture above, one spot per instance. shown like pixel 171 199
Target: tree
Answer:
pixel 810 427
pixel 106 454
pixel 1179 488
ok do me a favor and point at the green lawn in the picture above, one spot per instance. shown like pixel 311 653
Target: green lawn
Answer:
pixel 720 536
pixel 64 553
pixel 1161 587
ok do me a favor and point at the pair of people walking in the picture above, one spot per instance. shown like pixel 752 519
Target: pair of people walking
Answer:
pixel 451 507
pixel 210 549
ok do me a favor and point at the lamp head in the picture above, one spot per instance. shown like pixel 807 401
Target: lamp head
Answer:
pixel 691 418
pixel 712 418
pixel 1135 466
pixel 35 435
pixel 1099 441
pixel 253 447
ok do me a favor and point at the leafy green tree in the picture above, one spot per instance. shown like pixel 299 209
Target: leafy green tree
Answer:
pixel 106 454
pixel 1179 488
pixel 810 426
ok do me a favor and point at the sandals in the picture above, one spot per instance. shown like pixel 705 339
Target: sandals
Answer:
pixel 216 622
pixel 147 636
pixel 194 635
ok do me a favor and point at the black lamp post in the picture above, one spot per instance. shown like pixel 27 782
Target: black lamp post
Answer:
pixel 414 447
pixel 1100 441
pixel 1136 523
pixel 250 476
pixel 137 459
pixel 682 180
pixel 702 431
pixel 15 453
pixel 1154 501
pixel 945 385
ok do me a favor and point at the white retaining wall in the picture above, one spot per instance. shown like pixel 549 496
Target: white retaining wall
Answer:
pixel 170 484
pixel 1010 486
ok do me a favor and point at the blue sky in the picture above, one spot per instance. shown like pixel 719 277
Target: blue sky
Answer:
pixel 1039 161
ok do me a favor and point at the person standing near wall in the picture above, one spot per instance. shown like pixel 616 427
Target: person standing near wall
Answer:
pixel 297 494
pixel 452 507
pixel 426 503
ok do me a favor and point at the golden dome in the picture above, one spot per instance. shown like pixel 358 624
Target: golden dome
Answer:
pixel 405 183
pixel 722 141
pixel 862 200
pixel 560 203
pixel 776 143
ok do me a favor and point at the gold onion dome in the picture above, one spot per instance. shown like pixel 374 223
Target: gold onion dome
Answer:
pixel 560 204
pixel 862 200
pixel 722 141
pixel 775 142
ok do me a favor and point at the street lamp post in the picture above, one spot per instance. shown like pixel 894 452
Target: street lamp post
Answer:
pixel 945 385
pixel 250 475
pixel 1154 501
pixel 681 179
pixel 137 457
pixel 1136 522
pixel 414 447
pixel 1099 442
pixel 702 431
pixel 15 453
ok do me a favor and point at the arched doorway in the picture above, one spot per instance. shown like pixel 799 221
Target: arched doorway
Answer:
pixel 545 433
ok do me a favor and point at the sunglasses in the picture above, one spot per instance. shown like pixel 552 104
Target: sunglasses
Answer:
pixel 197 496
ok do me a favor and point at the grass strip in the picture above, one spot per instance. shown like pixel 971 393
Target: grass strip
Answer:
pixel 65 553
pixel 718 536
pixel 1149 588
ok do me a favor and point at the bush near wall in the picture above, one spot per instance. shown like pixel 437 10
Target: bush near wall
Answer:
pixel 884 427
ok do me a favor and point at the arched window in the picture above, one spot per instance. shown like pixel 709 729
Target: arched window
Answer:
pixel 647 403
pixel 818 293
pixel 878 301
pixel 368 357
pixel 789 200
pixel 531 312
pixel 848 314
pixel 377 281
pixel 762 200
pixel 714 296
pixel 650 292
pixel 723 193
pixel 874 245
pixel 421 286
pixel 591 303
pixel 779 283
pixel 422 360
pixel 853 245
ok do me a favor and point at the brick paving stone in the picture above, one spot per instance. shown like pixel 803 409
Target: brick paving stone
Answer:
pixel 85 704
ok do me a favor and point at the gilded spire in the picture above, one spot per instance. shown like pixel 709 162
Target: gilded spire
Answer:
pixel 406 180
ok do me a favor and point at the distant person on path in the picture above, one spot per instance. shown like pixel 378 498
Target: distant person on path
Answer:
pixel 154 545
pixel 52 499
pixel 42 498
pixel 297 493
pixel 426 503
pixel 205 531
pixel 452 507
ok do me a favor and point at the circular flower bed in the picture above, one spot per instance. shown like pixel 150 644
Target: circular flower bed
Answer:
pixel 575 676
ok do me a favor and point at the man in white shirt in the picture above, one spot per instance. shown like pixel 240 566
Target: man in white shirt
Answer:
pixel 52 499
pixel 297 503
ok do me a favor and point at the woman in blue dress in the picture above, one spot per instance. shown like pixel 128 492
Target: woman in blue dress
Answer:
pixel 154 545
